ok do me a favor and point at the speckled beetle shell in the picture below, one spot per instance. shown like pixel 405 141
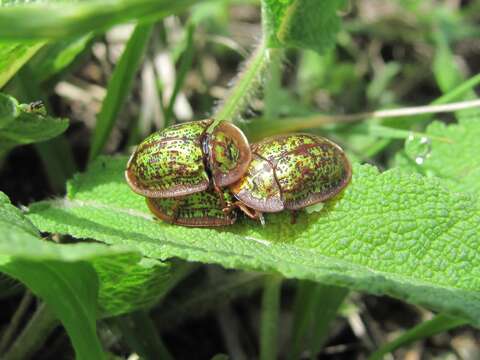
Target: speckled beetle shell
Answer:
pixel 202 209
pixel 290 172
pixel 177 161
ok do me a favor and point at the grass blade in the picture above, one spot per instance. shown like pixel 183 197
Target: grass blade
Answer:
pixel 327 302
pixel 315 307
pixel 119 87
pixel 54 20
pixel 34 335
pixel 302 315
pixel 185 65
pixel 141 335
pixel 270 314
pixel 13 56
pixel 438 324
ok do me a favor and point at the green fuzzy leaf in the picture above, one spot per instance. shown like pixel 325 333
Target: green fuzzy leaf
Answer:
pixel 20 124
pixel 455 160
pixel 13 56
pixel 309 24
pixel 127 284
pixel 393 233
pixel 8 110
pixel 77 279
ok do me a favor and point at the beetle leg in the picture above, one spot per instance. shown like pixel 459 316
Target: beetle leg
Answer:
pixel 175 208
pixel 260 217
pixel 219 191
pixel 228 208
pixel 255 215
pixel 293 218
pixel 251 213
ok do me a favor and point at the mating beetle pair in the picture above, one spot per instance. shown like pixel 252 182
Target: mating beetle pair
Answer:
pixel 195 178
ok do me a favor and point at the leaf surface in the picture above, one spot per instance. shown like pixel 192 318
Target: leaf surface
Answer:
pixel 58 56
pixel 13 56
pixel 393 233
pixel 455 160
pixel 310 24
pixel 53 19
pixel 20 125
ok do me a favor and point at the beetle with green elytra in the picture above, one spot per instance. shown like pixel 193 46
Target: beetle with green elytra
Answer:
pixel 188 158
pixel 291 172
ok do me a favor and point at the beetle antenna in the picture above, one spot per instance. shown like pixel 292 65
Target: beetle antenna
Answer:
pixel 261 218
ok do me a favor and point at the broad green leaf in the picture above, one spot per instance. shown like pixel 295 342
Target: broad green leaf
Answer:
pixel 127 284
pixel 13 56
pixel 456 162
pixel 310 24
pixel 21 124
pixel 77 279
pixel 394 233
pixel 52 19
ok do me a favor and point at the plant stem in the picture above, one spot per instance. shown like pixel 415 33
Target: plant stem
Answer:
pixel 270 315
pixel 264 128
pixel 141 335
pixel 34 335
pixel 245 85
pixel 15 322
pixel 438 324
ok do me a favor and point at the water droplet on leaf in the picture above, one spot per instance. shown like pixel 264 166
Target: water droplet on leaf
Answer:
pixel 418 148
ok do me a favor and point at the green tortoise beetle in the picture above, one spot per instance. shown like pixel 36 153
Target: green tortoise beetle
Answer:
pixel 201 209
pixel 291 172
pixel 185 158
